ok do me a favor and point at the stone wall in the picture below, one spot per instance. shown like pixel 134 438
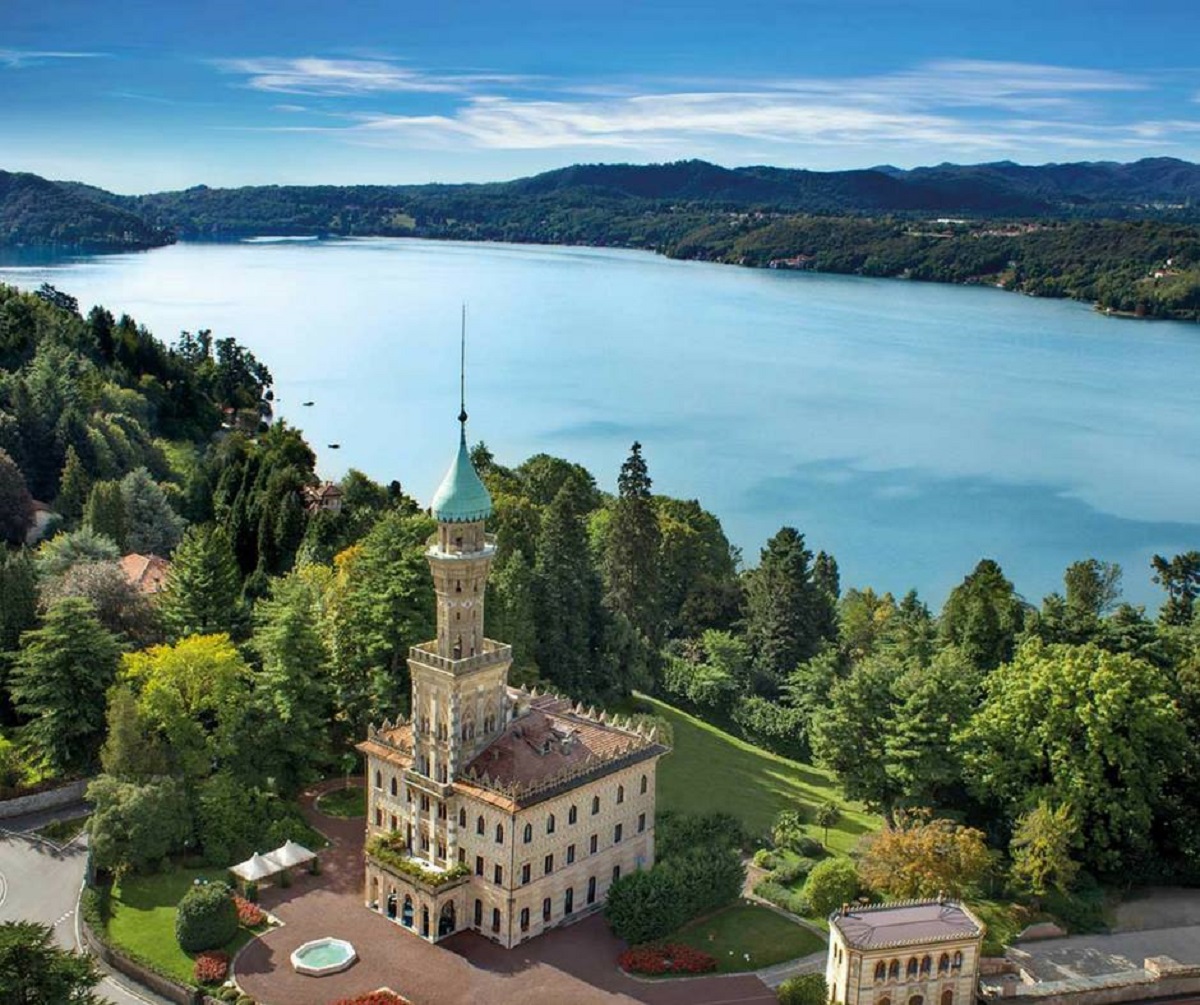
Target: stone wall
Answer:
pixel 1161 977
pixel 160 985
pixel 49 800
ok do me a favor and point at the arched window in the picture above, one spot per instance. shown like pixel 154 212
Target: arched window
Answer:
pixel 550 824
pixel 395 789
pixel 894 970
pixel 885 1000
pixel 957 964
pixel 595 805
pixel 917 1000
pixel 620 793
pixel 910 972
pixel 572 814
pixel 880 971
pixel 462 818
pixel 645 784
pixel 944 963
pixel 926 966
pixel 528 833
pixel 479 826
pixel 948 996
pixel 379 779
pixel 499 833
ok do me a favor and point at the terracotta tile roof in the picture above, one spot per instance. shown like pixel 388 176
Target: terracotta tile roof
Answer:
pixel 906 923
pixel 553 747
pixel 392 744
pixel 147 572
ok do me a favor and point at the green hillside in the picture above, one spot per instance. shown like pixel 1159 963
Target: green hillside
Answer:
pixel 709 770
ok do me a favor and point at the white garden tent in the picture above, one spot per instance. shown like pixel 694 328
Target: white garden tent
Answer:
pixel 289 854
pixel 255 869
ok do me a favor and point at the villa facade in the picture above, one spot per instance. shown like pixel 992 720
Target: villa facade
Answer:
pixel 490 807
pixel 906 953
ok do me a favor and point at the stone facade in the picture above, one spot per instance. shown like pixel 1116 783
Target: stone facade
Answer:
pixel 494 808
pixel 908 953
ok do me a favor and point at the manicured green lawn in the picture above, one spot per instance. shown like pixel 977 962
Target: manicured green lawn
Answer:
pixel 143 918
pixel 709 770
pixel 345 803
pixel 747 929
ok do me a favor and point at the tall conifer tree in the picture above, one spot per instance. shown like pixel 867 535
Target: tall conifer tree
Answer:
pixel 630 562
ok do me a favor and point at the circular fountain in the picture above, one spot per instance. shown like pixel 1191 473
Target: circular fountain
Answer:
pixel 322 957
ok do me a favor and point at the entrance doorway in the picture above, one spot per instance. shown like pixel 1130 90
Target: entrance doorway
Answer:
pixel 446 920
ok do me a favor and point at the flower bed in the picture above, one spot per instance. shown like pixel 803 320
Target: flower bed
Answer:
pixel 667 958
pixel 375 998
pixel 249 915
pixel 212 967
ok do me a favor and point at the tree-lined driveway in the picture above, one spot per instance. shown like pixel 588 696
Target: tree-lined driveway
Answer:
pixel 575 964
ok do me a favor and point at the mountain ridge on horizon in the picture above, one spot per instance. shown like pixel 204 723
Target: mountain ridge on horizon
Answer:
pixel 35 210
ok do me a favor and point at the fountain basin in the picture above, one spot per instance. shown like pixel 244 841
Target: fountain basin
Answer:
pixel 322 957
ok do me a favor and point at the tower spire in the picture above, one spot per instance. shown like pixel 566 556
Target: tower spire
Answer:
pixel 462 373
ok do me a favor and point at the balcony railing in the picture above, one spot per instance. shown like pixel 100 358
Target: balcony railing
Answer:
pixel 493 652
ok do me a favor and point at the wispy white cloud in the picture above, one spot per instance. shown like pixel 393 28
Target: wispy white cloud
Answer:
pixel 16 59
pixel 347 77
pixel 987 108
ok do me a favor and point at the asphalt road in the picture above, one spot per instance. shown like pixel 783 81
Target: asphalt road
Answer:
pixel 41 882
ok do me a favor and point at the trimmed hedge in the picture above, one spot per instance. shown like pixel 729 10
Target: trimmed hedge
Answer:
pixel 207 918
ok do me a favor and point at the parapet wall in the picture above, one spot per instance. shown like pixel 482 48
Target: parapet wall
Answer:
pixel 49 800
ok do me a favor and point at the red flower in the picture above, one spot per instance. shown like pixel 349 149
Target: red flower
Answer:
pixel 375 998
pixel 667 958
pixel 212 967
pixel 249 915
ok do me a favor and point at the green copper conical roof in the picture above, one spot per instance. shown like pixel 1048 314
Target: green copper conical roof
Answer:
pixel 462 497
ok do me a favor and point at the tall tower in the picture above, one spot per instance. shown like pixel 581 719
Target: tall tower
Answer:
pixel 459 680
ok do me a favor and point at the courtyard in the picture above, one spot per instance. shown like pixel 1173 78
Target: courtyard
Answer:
pixel 576 963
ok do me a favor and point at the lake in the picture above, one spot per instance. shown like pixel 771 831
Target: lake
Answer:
pixel 909 429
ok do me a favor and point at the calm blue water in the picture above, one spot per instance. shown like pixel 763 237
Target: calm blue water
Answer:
pixel 910 429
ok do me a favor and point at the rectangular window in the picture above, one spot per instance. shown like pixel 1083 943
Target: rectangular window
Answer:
pixel 546 909
pixel 441 811
pixel 495 919
pixel 462 856
pixel 570 854
pixel 641 822
pixel 424 842
pixel 478 865
pixel 616 873
pixel 549 864
pixel 525 873
pixel 394 821
pixel 617 834
pixel 593 841
pixel 498 875
pixel 378 817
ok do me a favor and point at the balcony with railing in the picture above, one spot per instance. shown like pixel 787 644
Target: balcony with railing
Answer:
pixel 493 652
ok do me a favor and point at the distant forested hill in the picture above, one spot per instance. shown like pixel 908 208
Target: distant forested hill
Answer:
pixel 1122 235
pixel 35 211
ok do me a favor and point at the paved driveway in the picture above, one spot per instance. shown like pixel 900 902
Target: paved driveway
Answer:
pixel 575 964
pixel 1154 922
pixel 41 882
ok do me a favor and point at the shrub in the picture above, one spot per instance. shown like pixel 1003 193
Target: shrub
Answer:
pixel 207 918
pixel 212 967
pixel 804 989
pixel 781 896
pixel 790 872
pixel 245 1000
pixel 645 905
pixel 375 998
pixel 764 858
pixel 668 958
pixel 230 994
pixel 830 884
pixel 249 915
pixel 810 847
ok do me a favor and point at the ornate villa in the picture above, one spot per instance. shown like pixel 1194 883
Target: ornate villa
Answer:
pixel 906 953
pixel 495 808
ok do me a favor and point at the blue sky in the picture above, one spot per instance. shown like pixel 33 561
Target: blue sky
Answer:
pixel 140 96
